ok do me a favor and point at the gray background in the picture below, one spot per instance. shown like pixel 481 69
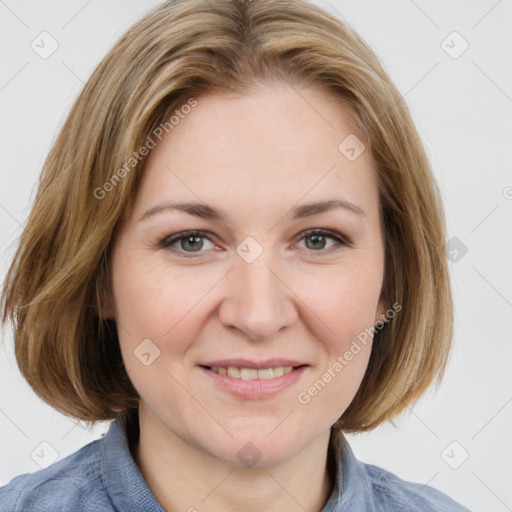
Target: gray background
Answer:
pixel 462 105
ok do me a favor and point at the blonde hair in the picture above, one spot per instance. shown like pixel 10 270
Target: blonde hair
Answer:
pixel 60 277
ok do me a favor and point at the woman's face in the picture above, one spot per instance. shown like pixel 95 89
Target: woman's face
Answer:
pixel 254 285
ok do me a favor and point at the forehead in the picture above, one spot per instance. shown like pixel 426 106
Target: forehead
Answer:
pixel 279 144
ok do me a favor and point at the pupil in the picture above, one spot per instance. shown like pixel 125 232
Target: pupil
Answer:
pixel 196 238
pixel 316 239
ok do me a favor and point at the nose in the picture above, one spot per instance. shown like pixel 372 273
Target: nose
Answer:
pixel 258 300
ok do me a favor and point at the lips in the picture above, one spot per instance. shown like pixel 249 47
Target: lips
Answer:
pixel 252 380
pixel 258 365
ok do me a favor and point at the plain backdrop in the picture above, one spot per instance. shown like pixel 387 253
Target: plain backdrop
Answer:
pixel 451 61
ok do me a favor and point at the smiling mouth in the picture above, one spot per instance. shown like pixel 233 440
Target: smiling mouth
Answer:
pixel 252 373
pixel 253 383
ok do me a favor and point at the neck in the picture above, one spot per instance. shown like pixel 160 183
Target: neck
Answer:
pixel 302 483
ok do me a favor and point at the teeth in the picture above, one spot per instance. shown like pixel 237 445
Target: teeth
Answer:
pixel 234 372
pixel 248 373
pixel 266 373
pixel 252 373
pixel 281 370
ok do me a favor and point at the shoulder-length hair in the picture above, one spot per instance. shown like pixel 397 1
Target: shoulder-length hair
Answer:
pixel 60 276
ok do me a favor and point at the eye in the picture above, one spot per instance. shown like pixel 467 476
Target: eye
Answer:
pixel 190 242
pixel 318 238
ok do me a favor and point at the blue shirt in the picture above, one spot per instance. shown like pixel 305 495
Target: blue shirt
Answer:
pixel 103 476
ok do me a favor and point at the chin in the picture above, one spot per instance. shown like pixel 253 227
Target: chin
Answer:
pixel 258 446
pixel 254 455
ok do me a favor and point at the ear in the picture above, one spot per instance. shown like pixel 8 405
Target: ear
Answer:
pixel 106 309
pixel 380 313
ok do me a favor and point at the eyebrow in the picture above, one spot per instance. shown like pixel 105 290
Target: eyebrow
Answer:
pixel 205 211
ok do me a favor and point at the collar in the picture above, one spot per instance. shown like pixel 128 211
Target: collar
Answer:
pixel 353 491
pixel 121 476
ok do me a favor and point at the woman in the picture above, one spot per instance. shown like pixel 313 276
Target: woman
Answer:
pixel 237 253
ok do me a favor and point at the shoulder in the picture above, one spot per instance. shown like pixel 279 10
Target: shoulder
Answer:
pixel 73 483
pixel 366 487
pixel 395 493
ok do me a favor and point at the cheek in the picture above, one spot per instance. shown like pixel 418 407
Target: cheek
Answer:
pixel 149 298
pixel 336 381
pixel 157 303
pixel 342 307
pixel 344 301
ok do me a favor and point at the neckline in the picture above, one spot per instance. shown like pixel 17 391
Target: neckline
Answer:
pixel 347 474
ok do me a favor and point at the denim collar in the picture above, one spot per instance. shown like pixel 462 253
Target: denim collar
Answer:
pixel 121 476
pixel 353 490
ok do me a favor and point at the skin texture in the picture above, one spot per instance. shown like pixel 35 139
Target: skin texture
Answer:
pixel 256 157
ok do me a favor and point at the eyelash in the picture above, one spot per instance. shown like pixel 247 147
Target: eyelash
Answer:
pixel 169 240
